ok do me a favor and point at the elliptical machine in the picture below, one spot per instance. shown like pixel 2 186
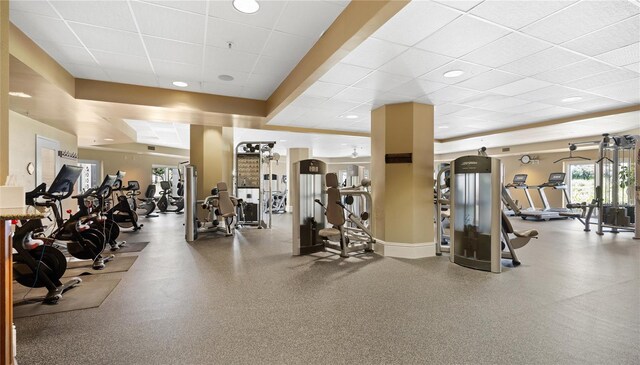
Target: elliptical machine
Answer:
pixel 122 212
pixel 76 233
pixel 36 265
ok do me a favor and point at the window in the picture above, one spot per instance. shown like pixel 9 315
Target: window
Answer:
pixel 89 176
pixel 582 180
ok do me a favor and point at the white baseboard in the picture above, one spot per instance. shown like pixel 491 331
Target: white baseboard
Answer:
pixel 406 250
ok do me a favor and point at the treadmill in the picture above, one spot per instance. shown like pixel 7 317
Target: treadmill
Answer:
pixel 520 182
pixel 556 181
pixel 547 213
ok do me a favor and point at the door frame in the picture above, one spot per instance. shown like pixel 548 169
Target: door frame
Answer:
pixel 44 142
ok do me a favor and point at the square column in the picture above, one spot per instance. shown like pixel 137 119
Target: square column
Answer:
pixel 403 192
pixel 211 152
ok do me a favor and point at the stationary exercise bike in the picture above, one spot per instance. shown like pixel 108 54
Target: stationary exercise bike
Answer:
pixel 122 212
pixel 76 234
pixel 36 265
pixel 167 200
pixel 145 205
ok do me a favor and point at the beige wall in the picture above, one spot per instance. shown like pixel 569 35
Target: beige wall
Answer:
pixel 22 146
pixel 137 166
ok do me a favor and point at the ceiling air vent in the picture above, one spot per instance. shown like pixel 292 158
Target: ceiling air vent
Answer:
pixel 151 148
pixel 506 149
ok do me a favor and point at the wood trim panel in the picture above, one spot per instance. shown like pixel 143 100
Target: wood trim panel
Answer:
pixel 6 306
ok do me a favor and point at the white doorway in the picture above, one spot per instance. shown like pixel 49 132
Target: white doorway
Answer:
pixel 47 165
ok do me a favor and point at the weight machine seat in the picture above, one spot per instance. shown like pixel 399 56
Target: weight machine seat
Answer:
pixel 332 180
pixel 329 232
pixel 506 223
pixel 226 206
pixel 529 233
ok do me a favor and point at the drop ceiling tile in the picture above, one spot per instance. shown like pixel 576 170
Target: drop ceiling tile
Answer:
pixel 599 104
pixel 495 119
pixel 471 113
pixel 527 108
pixel 602 79
pixel 520 87
pixel 324 89
pixel 581 18
pixel 560 100
pixel 126 76
pixel 110 14
pixel 462 36
pixel 198 7
pixel 29 6
pixel 628 91
pixel 517 14
pixel 414 63
pixel 257 92
pixel 505 50
pixel 345 74
pixel 635 67
pixel 261 79
pixel 573 72
pixel 480 99
pixel 244 38
pixel 42 28
pixel 356 95
pixel 221 88
pixel 464 5
pixel 265 18
pixel 68 54
pixel 307 101
pixel 279 68
pixel 381 81
pixel 177 71
pixel 622 56
pixel 229 59
pixel 337 107
pixel 117 61
pixel 448 94
pixel 166 50
pixel 389 98
pixel 608 39
pixel 295 47
pixel 153 20
pixel 373 53
pixel 548 59
pixel 307 18
pixel 417 88
pixel 415 21
pixel 504 104
pixel 109 40
pixel 489 80
pixel 445 109
pixel 86 72
pixel 546 92
pixel 362 110
pixel 470 70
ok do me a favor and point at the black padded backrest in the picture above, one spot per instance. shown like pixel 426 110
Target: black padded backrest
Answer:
pixel 165 185
pixel 151 191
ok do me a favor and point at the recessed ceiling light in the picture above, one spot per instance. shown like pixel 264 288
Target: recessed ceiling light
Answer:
pixel 246 6
pixel 349 116
pixel 571 99
pixel 109 139
pixel 180 84
pixel 19 94
pixel 443 127
pixel 453 73
pixel 225 77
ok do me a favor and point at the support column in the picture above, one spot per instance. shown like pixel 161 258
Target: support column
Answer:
pixel 403 192
pixel 6 261
pixel 212 153
pixel 294 155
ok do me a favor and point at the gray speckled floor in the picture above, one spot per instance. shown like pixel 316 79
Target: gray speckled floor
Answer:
pixel 574 300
